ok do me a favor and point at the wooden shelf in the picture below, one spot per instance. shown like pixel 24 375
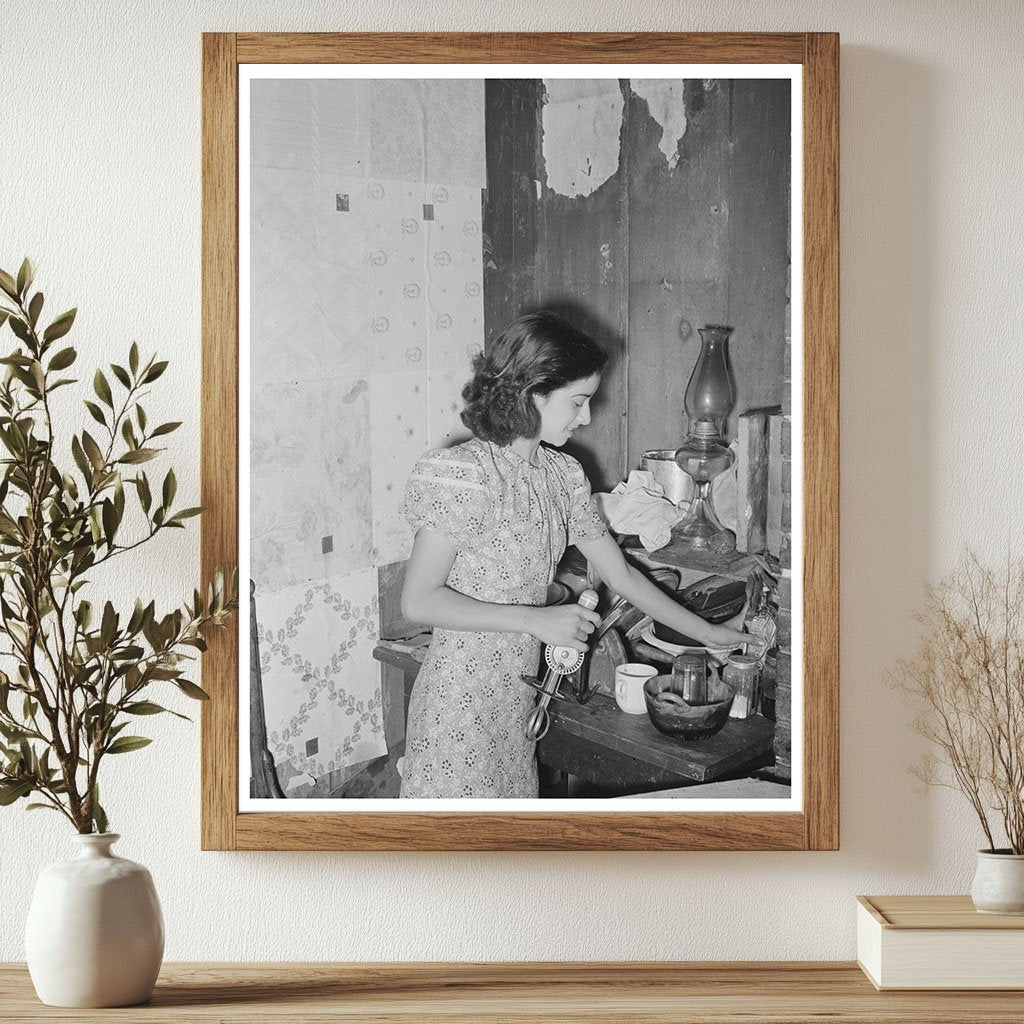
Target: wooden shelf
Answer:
pixel 795 993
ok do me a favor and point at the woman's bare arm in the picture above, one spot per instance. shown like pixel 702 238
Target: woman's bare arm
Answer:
pixel 427 599
pixel 606 557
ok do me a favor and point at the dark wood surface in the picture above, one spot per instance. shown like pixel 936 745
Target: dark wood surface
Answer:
pixel 605 746
pixel 614 738
pixel 527 993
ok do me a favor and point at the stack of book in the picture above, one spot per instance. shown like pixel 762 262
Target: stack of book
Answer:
pixel 938 942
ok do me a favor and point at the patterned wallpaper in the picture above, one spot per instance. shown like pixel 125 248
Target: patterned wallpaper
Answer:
pixel 366 284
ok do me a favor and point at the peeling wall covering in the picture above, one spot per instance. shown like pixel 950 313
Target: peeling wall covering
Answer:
pixel 366 309
pixel 665 102
pixel 581 121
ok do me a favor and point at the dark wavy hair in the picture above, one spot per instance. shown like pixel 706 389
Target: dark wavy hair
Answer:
pixel 535 355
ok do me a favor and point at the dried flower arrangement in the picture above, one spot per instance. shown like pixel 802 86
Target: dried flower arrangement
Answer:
pixel 967 679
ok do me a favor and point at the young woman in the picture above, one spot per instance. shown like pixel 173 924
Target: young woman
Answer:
pixel 492 517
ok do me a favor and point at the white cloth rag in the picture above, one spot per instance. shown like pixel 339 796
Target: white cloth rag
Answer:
pixel 638 505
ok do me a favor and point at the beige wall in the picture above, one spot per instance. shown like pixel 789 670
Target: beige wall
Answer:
pixel 102 188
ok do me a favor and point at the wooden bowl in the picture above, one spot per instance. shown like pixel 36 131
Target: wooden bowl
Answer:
pixel 673 716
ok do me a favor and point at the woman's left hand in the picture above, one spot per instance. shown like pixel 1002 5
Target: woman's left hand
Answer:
pixel 724 636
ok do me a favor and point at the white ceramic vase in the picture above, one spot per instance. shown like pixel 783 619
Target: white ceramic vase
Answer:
pixel 95 933
pixel 999 883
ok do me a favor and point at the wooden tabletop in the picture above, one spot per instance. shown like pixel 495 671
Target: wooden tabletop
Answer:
pixel 598 742
pixel 793 993
pixel 741 744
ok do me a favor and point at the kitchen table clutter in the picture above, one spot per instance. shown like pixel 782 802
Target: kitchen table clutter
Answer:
pixel 647 710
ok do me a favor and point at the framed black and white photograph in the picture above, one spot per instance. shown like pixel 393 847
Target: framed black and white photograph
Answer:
pixel 521 419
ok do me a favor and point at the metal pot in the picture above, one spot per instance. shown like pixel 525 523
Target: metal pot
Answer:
pixel 662 464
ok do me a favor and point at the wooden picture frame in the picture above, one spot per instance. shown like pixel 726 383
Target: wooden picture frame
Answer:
pixel 816 826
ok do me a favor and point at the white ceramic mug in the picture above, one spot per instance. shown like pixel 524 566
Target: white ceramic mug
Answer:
pixel 629 687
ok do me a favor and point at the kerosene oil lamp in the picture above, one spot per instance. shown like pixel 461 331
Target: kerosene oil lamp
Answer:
pixel 704 454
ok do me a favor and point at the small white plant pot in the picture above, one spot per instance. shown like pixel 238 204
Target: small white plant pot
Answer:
pixel 95 933
pixel 999 883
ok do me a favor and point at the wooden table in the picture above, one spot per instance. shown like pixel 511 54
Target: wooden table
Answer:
pixel 600 744
pixel 625 753
pixel 545 993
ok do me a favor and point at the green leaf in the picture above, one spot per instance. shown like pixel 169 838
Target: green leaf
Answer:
pixel 119 499
pixel 99 816
pixel 26 274
pixel 146 499
pixel 92 449
pixel 135 622
pixel 154 371
pixel 34 308
pixel 140 415
pixel 133 358
pixel 139 455
pixel 191 690
pixel 15 790
pixel 20 328
pixel 121 374
pixel 185 513
pixel 170 488
pixel 41 807
pixel 83 613
pixel 128 433
pixel 144 707
pixel 80 459
pixel 63 359
pixel 60 326
pixel 126 744
pixel 102 388
pixel 165 428
pixel 109 521
pixel 108 627
pixel 8 284
pixel 96 412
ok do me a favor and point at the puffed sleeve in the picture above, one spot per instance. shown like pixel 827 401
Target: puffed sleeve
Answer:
pixel 448 493
pixel 585 524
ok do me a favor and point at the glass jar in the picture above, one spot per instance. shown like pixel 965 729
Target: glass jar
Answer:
pixel 743 673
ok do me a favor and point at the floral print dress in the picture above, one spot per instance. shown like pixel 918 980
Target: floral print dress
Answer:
pixel 510 522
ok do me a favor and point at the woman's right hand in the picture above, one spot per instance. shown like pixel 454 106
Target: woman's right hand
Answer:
pixel 564 625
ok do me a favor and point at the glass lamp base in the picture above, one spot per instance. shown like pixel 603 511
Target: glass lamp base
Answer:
pixel 700 530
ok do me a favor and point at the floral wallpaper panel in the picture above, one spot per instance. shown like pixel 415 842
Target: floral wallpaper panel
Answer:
pixel 366 285
pixel 316 647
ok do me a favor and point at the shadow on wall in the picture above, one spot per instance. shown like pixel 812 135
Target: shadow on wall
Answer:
pixel 888 415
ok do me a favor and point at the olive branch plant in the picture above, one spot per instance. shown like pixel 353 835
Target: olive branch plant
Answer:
pixel 78 673
pixel 967 682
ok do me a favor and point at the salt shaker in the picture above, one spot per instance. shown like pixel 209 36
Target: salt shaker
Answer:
pixel 743 674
